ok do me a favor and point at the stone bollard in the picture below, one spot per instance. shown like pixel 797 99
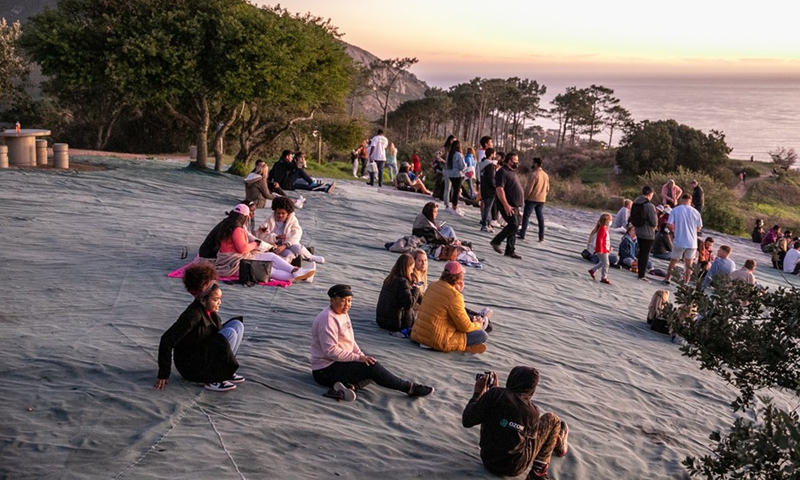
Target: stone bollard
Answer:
pixel 3 156
pixel 61 155
pixel 41 152
pixel 193 152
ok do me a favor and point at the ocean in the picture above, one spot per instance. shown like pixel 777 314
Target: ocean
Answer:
pixel 756 115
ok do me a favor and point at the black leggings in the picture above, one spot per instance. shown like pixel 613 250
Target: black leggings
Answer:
pixel 360 374
pixel 455 190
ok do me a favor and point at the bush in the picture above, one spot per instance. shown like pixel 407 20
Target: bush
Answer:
pixel 751 172
pixel 572 191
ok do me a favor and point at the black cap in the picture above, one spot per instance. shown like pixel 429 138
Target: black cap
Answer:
pixel 647 190
pixel 340 290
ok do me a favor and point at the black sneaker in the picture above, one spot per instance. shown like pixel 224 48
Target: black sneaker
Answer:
pixel 418 390
pixel 222 386
pixel 236 378
pixel 538 471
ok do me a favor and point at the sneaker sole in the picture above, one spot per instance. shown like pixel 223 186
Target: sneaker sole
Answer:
pixel 347 394
pixel 564 444
pixel 213 389
pixel 480 348
pixel 305 276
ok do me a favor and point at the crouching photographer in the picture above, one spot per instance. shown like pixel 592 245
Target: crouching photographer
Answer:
pixel 513 434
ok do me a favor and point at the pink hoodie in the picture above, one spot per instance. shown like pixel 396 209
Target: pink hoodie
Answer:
pixel 332 340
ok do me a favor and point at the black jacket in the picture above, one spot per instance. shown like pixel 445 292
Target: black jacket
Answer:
pixel 202 355
pixel 281 173
pixel 395 310
pixel 488 185
pixel 210 246
pixel 507 417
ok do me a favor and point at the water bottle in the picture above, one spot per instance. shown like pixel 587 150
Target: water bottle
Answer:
pixel 17 127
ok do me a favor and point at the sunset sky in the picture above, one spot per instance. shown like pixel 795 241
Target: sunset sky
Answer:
pixel 459 40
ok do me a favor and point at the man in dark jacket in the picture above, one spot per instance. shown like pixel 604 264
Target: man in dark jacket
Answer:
pixel 645 219
pixel 698 196
pixel 512 198
pixel 513 435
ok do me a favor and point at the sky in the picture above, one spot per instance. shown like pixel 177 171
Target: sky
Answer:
pixel 459 40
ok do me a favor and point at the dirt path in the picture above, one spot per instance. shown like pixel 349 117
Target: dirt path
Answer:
pixel 740 190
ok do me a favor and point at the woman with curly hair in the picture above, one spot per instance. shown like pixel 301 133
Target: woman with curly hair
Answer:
pixel 284 232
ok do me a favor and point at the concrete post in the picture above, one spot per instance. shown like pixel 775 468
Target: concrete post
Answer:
pixel 41 152
pixel 3 156
pixel 61 155
pixel 193 152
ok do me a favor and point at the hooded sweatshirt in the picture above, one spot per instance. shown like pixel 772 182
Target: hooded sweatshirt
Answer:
pixel 255 189
pixel 506 416
pixel 648 230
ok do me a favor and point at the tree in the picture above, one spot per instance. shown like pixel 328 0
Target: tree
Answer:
pixel 784 158
pixel 14 68
pixel 569 108
pixel 600 100
pixel 384 74
pixel 750 338
pixel 665 145
pixel 616 117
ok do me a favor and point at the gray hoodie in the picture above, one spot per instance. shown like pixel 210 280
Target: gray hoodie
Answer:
pixel 648 230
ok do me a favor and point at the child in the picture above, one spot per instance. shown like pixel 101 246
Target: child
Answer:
pixel 469 174
pixel 205 350
pixel 602 247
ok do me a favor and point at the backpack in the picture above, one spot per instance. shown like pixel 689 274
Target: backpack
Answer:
pixel 637 215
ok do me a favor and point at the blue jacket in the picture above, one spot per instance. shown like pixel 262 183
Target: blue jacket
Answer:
pixel 628 247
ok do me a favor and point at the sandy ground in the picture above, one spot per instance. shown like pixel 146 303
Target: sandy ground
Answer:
pixel 86 298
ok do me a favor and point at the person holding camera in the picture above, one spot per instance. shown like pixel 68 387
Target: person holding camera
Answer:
pixel 513 434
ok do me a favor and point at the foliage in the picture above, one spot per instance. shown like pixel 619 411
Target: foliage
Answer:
pixel 751 338
pixel 383 76
pixel 665 145
pixel 343 134
pixel 14 68
pixel 573 191
pixel 751 172
pixel 720 211
pixel 783 157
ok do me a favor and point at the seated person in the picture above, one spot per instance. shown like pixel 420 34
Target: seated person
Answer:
pixel 337 361
pixel 210 246
pixel 442 321
pixel 663 215
pixel 403 181
pixel 791 262
pixel 421 270
pixel 705 254
pixel 255 185
pixel 204 348
pixel 234 246
pixel 629 250
pixel 289 173
pixel 425 226
pixel 513 434
pixel 283 230
pixel 769 238
pixel 781 247
pixel 721 267
pixel 758 231
pixel 745 274
pixel 622 216
pixel 662 245
pixel 399 295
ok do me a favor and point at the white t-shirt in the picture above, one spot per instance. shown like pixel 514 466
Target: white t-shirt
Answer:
pixel 790 260
pixel 686 220
pixel 377 148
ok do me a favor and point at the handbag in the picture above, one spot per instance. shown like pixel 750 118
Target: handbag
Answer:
pixel 448 253
pixel 253 271
pixel 372 167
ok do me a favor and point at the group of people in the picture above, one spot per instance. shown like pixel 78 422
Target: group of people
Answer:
pixel 784 248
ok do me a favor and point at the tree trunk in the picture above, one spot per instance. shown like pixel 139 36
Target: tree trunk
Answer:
pixel 204 120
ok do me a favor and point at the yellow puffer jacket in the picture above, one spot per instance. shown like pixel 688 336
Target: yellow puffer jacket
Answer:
pixel 442 322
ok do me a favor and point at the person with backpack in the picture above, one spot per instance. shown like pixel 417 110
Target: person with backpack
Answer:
pixel 644 219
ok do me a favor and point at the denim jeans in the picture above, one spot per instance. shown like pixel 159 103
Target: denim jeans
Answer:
pixel 381 166
pixel 392 169
pixel 233 331
pixel 476 337
pixel 530 207
pixel 360 374
pixel 446 193
pixel 486 211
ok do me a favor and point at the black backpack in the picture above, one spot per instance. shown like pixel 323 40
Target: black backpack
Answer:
pixel 637 215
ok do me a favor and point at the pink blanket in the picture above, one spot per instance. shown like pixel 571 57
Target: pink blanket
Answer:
pixel 272 283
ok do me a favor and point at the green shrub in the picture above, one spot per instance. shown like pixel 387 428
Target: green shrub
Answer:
pixel 751 172
pixel 239 168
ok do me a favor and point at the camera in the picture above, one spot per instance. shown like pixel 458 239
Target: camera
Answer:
pixel 492 378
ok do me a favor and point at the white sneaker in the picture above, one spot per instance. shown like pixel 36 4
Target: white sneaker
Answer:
pixel 305 273
pixel 222 386
pixel 458 212
pixel 299 202
pixel 495 224
pixel 347 394
pixel 317 258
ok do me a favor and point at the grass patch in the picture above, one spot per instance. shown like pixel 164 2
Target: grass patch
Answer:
pixel 594 174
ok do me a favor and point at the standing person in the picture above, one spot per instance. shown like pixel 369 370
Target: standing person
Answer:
pixel 441 181
pixel 391 161
pixel 685 222
pixel 363 156
pixel 511 197
pixel 486 143
pixel 513 434
pixel 470 172
pixel 537 188
pixel 670 193
pixel 601 241
pixel 698 196
pixel 337 361
pixel 354 156
pixel 644 218
pixel 377 153
pixel 204 348
pixel 721 267
pixel 454 170
pixel 488 169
